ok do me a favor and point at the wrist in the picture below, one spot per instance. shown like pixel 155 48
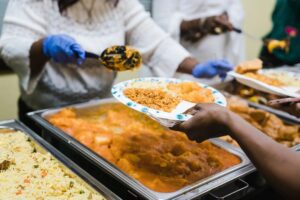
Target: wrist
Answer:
pixel 44 44
pixel 234 123
pixel 187 65
pixel 37 57
pixel 37 48
pixel 226 120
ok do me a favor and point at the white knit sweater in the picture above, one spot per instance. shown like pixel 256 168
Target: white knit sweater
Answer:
pixel 230 46
pixel 26 21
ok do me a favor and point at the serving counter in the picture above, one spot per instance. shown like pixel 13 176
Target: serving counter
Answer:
pixel 235 182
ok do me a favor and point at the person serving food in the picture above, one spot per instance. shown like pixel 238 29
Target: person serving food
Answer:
pixel 45 43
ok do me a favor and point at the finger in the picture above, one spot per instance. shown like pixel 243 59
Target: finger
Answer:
pixel 194 109
pixel 60 58
pixel 200 137
pixel 195 137
pixel 194 122
pixel 283 101
pixel 176 127
pixel 79 53
pixel 223 76
pixel 224 24
pixel 223 65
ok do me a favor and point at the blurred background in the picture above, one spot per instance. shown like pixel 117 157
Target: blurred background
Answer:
pixel 257 23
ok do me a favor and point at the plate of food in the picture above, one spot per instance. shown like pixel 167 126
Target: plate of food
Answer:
pixel 165 98
pixel 250 73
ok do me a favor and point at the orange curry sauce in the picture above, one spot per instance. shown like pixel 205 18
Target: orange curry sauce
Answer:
pixel 161 159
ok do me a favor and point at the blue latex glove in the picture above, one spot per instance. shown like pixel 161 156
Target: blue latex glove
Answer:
pixel 63 49
pixel 212 68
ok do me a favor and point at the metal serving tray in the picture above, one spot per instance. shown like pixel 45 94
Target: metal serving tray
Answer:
pixel 81 174
pixel 133 186
pixel 281 114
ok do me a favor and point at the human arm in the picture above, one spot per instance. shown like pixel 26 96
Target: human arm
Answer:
pixel 60 48
pixel 279 165
pixel 170 15
pixel 196 29
pixel 159 51
pixel 24 24
pixel 37 59
pixel 25 45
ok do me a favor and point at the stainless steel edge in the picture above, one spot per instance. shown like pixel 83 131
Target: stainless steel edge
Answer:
pixel 98 161
pixel 66 162
pixel 281 114
pixel 201 187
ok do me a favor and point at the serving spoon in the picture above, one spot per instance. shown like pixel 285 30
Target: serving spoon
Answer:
pixel 118 58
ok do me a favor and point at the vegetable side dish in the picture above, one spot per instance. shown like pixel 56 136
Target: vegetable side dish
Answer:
pixel 27 173
pixel 161 159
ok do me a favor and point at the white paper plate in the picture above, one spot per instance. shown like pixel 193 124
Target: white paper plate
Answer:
pixel 258 85
pixel 176 114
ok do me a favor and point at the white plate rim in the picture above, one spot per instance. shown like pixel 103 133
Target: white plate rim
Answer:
pixel 271 89
pixel 117 92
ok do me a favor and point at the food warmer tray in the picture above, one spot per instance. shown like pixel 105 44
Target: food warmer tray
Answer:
pixel 84 176
pixel 133 187
pixel 281 114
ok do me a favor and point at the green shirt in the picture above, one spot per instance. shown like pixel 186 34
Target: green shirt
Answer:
pixel 286 13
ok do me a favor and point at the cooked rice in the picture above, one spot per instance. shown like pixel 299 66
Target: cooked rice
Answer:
pixel 153 98
pixel 32 174
pixel 166 97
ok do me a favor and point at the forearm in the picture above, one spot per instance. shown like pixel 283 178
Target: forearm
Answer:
pixel 37 58
pixel 187 65
pixel 279 165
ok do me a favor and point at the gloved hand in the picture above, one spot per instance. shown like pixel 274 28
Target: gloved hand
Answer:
pixel 212 68
pixel 63 49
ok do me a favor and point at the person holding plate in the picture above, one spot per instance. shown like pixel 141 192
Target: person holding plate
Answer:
pixel 278 164
pixel 44 42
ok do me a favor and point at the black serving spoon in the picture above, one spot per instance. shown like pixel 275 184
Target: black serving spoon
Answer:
pixel 118 58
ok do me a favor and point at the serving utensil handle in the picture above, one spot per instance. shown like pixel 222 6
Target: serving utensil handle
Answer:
pixel 91 55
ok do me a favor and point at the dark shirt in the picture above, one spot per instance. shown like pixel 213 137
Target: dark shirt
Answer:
pixel 286 13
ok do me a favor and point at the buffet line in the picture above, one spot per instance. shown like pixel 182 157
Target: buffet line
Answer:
pixel 103 149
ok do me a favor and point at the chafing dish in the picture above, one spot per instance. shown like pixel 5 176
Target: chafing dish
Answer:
pixel 42 145
pixel 135 188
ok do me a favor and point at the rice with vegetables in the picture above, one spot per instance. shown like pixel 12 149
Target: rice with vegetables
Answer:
pixel 27 173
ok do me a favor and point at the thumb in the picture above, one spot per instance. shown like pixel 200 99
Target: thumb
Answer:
pixel 79 52
pixel 223 76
